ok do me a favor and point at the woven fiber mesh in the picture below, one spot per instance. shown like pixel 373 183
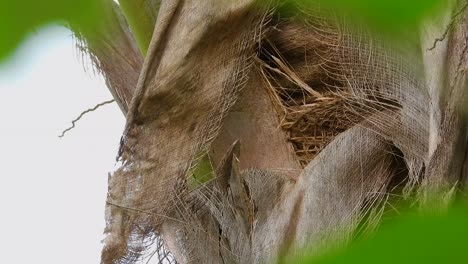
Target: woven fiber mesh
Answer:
pixel 355 109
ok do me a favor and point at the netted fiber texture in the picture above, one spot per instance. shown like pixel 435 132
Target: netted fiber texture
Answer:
pixel 325 79
pixel 355 108
pixel 357 114
pixel 113 52
pixel 178 100
pixel 350 175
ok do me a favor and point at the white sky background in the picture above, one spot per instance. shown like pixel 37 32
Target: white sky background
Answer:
pixel 52 191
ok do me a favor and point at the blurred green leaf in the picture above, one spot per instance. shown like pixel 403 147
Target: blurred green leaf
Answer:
pixel 202 173
pixel 409 239
pixel 18 18
pixel 394 17
pixel 141 22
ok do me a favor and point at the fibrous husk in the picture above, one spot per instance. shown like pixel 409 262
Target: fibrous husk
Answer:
pixel 322 84
pixel 180 100
pixel 343 133
pixel 357 112
pixel 113 52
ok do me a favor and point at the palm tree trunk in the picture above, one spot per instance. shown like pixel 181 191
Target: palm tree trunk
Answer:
pixel 310 128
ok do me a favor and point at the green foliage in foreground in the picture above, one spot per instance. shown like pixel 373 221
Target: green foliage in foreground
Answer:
pixel 412 238
pixel 391 18
pixel 18 18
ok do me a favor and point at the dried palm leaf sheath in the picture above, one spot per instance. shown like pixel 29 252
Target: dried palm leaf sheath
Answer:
pixel 348 177
pixel 361 119
pixel 178 99
pixel 354 88
pixel 113 52
pixel 446 77
pixel 309 67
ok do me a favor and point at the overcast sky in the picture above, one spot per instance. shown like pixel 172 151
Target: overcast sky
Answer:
pixel 53 190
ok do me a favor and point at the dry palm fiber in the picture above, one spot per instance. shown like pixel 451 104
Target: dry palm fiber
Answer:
pixel 346 184
pixel 347 99
pixel 309 67
pixel 113 52
pixel 177 100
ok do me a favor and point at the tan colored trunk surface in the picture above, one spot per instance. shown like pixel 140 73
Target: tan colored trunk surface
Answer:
pixel 218 72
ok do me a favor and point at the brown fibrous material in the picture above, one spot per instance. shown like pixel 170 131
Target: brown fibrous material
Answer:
pixel 312 99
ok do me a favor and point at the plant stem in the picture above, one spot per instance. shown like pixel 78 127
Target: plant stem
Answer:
pixel 141 18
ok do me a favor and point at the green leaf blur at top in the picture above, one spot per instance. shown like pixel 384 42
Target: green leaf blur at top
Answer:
pixel 394 17
pixel 18 18
pixel 141 20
